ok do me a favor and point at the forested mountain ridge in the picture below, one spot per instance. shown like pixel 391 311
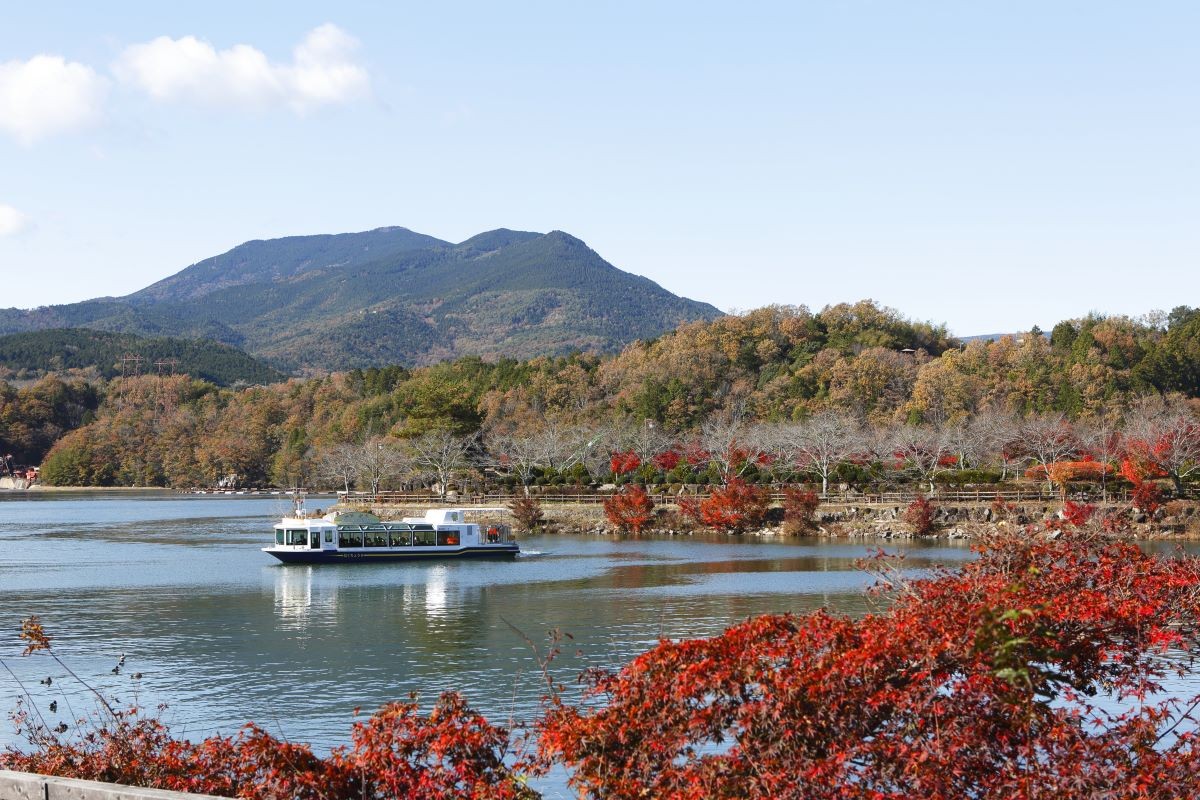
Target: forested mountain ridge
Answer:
pixel 100 354
pixel 391 296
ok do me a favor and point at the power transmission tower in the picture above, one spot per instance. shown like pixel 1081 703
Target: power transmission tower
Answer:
pixel 130 358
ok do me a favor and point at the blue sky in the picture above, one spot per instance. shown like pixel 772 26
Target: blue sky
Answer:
pixel 987 165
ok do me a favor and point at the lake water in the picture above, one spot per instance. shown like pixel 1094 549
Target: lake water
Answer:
pixel 223 633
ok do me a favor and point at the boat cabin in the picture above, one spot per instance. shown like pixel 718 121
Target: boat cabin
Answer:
pixel 441 530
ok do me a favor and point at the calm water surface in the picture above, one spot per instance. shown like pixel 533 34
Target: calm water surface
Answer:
pixel 224 634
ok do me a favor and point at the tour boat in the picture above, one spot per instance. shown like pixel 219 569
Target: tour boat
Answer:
pixel 355 537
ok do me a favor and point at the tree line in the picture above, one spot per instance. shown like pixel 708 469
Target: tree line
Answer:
pixel 754 380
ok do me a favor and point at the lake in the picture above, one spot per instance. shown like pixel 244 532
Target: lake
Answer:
pixel 224 634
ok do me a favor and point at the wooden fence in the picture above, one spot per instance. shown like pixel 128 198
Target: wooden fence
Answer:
pixel 550 495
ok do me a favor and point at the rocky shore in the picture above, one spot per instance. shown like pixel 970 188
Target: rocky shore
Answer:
pixel 1178 519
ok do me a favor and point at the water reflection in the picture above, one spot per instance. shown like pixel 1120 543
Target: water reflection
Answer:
pixel 435 592
pixel 294 596
pixel 224 634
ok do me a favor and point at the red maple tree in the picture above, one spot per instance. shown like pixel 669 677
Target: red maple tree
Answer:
pixel 733 507
pixel 629 509
pixel 977 683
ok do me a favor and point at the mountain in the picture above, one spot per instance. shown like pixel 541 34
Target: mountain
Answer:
pixel 391 296
pixel 59 349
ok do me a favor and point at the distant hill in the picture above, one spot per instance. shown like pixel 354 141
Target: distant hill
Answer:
pixel 58 350
pixel 391 296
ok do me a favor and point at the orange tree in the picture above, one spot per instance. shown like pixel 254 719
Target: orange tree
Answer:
pixel 978 683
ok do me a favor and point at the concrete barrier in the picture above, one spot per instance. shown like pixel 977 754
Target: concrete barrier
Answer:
pixel 27 786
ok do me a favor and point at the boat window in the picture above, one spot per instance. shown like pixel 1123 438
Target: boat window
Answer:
pixel 278 537
pixel 400 536
pixel 349 537
pixel 299 537
pixel 376 537
pixel 447 537
pixel 328 536
pixel 424 536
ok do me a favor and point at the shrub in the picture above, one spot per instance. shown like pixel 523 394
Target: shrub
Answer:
pixel 629 509
pixel 733 507
pixel 799 511
pixel 919 514
pixel 527 511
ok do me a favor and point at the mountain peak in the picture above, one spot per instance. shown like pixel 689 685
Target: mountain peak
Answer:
pixel 391 295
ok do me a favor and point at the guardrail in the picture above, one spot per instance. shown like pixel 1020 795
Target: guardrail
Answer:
pixel 776 494
pixel 28 786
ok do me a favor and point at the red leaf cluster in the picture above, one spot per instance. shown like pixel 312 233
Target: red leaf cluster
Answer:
pixel 799 510
pixel 919 514
pixel 451 753
pixel 1078 514
pixel 629 509
pixel 733 507
pixel 972 684
pixel 1147 496
pixel 667 460
pixel 622 463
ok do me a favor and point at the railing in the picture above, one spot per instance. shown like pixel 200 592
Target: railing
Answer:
pixel 28 786
pixel 548 496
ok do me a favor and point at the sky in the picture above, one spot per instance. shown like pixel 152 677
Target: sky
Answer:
pixel 988 165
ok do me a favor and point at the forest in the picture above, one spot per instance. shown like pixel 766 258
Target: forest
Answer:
pixel 706 402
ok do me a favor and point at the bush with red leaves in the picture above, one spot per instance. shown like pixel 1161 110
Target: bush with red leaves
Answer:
pixel 978 683
pixel 630 509
pixel 800 510
pixel 733 507
pixel 919 514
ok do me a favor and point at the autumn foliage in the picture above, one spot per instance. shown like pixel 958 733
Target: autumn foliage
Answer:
pixel 1078 514
pixel 453 752
pixel 629 509
pixel 733 507
pixel 978 683
pixel 527 511
pixel 397 752
pixel 1036 670
pixel 622 463
pixel 799 510
pixel 1147 496
pixel 919 514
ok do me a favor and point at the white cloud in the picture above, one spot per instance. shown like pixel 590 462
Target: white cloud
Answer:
pixel 47 95
pixel 12 221
pixel 322 71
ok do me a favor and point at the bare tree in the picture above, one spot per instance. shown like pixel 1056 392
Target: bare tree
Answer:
pixel 1104 441
pixel 338 463
pixel 994 438
pixel 645 438
pixel 1167 435
pixel 563 445
pixel 518 454
pixel 441 455
pixel 378 462
pixel 924 452
pixel 819 444
pixel 732 445
pixel 1048 439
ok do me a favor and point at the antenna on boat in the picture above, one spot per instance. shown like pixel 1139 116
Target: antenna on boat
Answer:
pixel 297 494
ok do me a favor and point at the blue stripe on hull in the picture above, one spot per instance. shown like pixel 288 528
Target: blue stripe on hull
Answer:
pixel 338 557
